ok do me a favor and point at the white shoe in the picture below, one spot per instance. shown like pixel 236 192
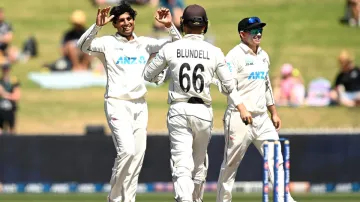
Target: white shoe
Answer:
pixel 352 22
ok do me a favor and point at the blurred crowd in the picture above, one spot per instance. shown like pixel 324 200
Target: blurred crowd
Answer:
pixel 9 85
pixel 289 88
pixel 352 13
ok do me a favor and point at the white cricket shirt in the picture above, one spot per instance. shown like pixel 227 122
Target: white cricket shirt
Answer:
pixel 123 60
pixel 251 70
pixel 192 63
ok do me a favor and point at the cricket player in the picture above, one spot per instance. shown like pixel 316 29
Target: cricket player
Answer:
pixel 250 66
pixel 192 63
pixel 124 56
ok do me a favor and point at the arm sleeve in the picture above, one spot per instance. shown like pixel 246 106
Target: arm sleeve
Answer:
pixel 156 44
pixel 65 38
pixel 215 79
pixel 162 77
pixel 338 80
pixel 155 67
pixel 269 96
pixel 88 43
pixel 226 79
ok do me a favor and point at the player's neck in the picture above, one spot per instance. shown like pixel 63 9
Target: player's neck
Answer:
pixel 254 48
pixel 129 38
pixel 193 32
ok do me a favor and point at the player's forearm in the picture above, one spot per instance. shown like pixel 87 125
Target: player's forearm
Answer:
pixel 152 70
pixel 85 40
pixel 174 33
pixel 272 109
pixel 162 77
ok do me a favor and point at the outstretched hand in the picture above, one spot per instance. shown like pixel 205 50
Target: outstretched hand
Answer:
pixel 163 16
pixel 102 16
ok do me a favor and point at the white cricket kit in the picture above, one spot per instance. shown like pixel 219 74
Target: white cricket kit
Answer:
pixel 192 63
pixel 125 107
pixel 253 85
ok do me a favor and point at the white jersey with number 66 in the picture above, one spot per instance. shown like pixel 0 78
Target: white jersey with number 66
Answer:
pixel 192 64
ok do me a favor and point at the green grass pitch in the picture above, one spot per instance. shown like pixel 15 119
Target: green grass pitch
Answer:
pixel 167 197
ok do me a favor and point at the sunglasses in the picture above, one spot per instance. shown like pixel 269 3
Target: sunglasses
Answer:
pixel 255 31
pixel 253 20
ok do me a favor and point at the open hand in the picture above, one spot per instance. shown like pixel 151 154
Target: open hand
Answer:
pixel 102 16
pixel 163 16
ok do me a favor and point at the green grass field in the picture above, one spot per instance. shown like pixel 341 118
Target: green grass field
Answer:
pixel 305 33
pixel 169 197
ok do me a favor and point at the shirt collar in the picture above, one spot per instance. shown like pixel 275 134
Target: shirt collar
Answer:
pixel 246 49
pixel 194 36
pixel 123 39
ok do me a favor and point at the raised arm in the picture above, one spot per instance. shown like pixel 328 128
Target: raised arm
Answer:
pixel 163 16
pixel 88 43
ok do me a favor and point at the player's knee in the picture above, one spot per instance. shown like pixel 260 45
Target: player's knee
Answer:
pixel 181 172
pixel 126 152
pixel 200 177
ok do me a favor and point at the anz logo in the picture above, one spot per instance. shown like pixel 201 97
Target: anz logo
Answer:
pixel 229 66
pixel 257 75
pixel 131 60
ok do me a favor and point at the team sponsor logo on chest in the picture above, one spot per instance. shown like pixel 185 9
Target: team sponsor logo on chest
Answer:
pixel 119 48
pixel 131 60
pixel 257 75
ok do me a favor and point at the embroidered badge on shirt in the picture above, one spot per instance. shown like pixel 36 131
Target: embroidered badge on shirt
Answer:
pixel 249 61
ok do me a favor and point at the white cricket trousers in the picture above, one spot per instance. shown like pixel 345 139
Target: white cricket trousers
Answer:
pixel 238 137
pixel 127 120
pixel 189 127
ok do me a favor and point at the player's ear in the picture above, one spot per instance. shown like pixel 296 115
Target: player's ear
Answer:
pixel 242 34
pixel 182 25
pixel 206 26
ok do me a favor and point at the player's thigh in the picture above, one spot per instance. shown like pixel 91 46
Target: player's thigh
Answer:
pixel 200 143
pixel 120 122
pixel 141 114
pixel 181 141
pixel 140 125
pixel 237 137
pixel 237 134
pixel 266 129
pixel 201 126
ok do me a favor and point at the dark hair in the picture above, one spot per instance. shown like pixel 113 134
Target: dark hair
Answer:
pixel 122 8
